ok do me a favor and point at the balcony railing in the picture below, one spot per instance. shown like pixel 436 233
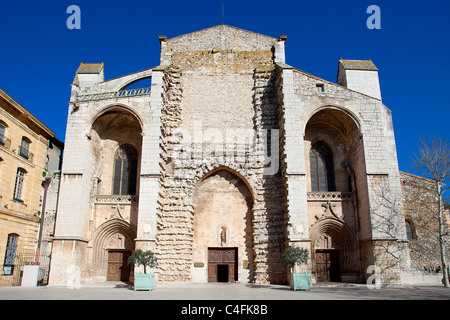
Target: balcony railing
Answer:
pixel 330 196
pixel 110 199
pixel 116 94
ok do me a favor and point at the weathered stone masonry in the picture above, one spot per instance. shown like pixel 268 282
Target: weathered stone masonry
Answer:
pixel 179 178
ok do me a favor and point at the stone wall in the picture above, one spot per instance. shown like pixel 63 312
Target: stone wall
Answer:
pixel 421 215
pixel 218 109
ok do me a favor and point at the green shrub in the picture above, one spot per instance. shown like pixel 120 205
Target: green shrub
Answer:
pixel 143 258
pixel 296 256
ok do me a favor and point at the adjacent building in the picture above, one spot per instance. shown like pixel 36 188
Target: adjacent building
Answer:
pixel 421 206
pixel 29 154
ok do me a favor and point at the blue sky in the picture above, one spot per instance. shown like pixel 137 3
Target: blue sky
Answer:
pixel 39 55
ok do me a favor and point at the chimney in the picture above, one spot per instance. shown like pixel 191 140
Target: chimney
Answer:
pixel 360 76
pixel 89 75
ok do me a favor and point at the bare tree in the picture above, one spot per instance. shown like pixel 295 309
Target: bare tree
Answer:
pixel 432 161
pixel 387 220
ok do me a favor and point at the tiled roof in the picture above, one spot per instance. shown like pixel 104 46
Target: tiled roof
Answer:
pixel 88 68
pixel 358 65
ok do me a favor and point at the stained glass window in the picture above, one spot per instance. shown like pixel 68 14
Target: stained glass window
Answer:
pixel 125 171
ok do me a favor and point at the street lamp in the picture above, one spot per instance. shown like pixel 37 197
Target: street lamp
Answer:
pixel 45 184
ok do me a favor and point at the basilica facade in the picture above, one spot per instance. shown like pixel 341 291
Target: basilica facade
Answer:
pixel 230 157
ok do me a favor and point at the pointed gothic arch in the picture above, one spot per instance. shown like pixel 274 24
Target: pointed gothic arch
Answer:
pixel 334 239
pixel 105 236
pixel 223 220
pixel 339 113
pixel 208 172
pixel 118 108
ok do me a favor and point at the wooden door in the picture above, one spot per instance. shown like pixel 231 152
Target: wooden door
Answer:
pixel 232 272
pixel 118 268
pixel 221 257
pixel 212 272
pixel 327 266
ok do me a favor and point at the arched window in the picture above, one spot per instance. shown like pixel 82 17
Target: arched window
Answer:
pixel 2 133
pixel 18 187
pixel 125 171
pixel 322 167
pixel 10 254
pixel 25 147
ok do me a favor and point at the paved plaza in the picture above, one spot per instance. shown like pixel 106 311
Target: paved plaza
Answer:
pixel 226 292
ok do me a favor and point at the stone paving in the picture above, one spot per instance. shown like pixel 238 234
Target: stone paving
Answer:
pixel 226 292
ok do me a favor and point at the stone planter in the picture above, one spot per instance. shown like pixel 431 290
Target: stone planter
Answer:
pixel 144 282
pixel 300 281
pixel 30 276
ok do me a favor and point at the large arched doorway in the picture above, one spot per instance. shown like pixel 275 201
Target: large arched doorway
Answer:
pixel 116 147
pixel 223 233
pixel 112 244
pixel 334 252
pixel 337 193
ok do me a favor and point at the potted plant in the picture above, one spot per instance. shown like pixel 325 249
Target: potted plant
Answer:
pixel 143 281
pixel 297 257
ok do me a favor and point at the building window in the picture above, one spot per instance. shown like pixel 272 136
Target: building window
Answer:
pixel 25 147
pixel 2 133
pixel 410 234
pixel 320 87
pixel 10 254
pixel 322 168
pixel 125 171
pixel 18 187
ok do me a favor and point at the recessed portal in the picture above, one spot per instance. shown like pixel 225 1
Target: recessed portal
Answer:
pixel 223 232
pixel 222 273
pixel 334 252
